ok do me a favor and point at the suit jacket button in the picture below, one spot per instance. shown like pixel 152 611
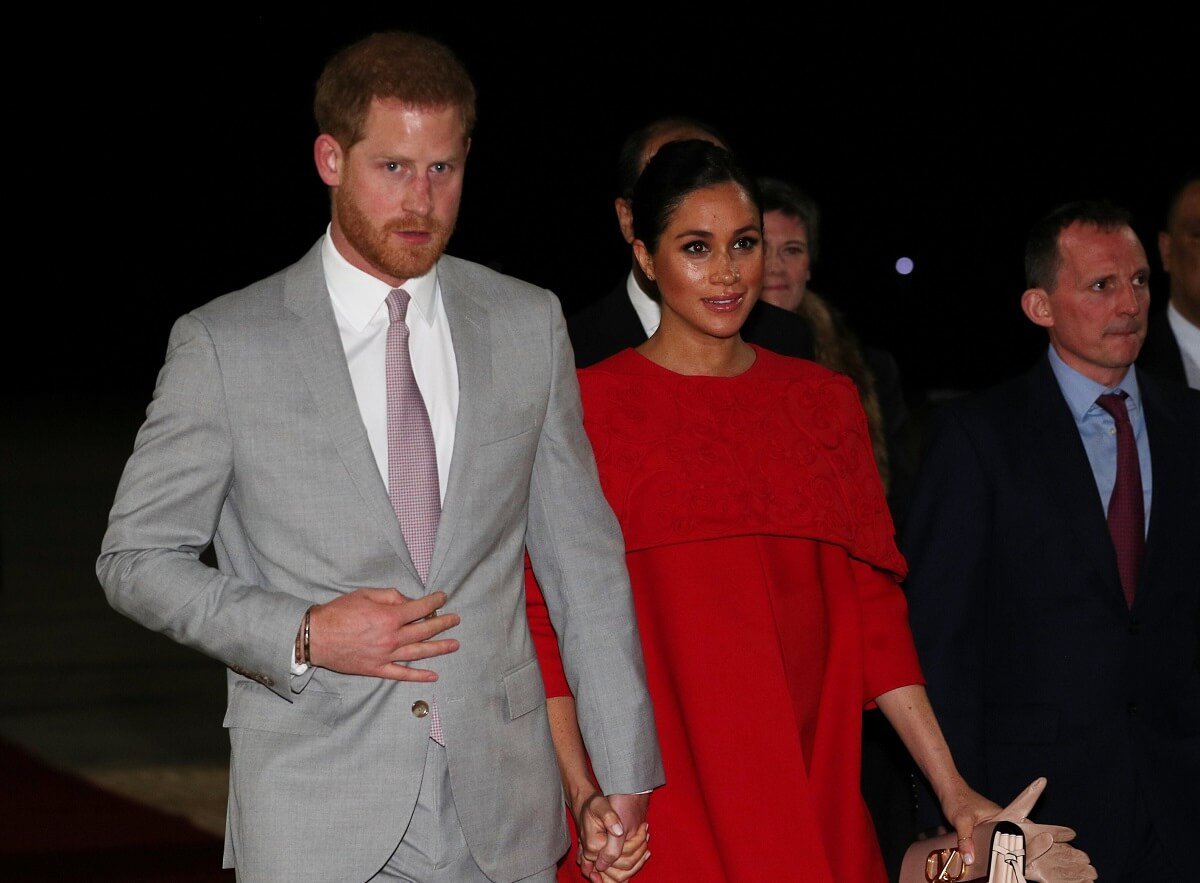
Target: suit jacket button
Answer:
pixel 1132 709
pixel 420 708
pixel 1135 627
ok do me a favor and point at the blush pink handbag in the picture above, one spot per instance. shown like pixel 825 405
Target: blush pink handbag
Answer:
pixel 1018 851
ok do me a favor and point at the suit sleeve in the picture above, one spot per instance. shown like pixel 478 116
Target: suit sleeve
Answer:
pixel 578 555
pixel 946 543
pixel 165 514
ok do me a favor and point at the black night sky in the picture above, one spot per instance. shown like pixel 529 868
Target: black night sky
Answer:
pixel 173 161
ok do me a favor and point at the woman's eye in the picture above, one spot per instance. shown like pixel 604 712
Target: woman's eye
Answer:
pixel 696 247
pixel 747 243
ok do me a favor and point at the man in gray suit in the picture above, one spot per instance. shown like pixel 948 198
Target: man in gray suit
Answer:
pixel 279 433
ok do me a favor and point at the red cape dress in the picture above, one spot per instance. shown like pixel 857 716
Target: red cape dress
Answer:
pixel 765 579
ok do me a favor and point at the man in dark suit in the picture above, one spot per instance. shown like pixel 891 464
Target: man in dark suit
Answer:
pixel 628 314
pixel 1173 343
pixel 1055 643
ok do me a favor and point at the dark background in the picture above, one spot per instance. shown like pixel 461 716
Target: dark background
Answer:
pixel 157 159
pixel 173 163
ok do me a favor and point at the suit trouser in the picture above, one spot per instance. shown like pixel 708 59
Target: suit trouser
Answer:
pixel 433 847
pixel 1149 861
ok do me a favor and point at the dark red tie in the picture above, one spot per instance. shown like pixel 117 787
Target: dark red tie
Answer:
pixel 1126 508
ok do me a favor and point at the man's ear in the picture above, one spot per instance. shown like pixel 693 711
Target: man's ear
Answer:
pixel 328 156
pixel 1035 303
pixel 644 259
pixel 624 217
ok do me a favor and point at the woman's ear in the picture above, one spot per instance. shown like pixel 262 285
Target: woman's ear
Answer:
pixel 644 259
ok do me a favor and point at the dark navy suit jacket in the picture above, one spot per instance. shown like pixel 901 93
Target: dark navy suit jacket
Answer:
pixel 1035 665
pixel 1160 353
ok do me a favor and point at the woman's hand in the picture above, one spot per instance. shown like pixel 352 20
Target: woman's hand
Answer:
pixel 965 808
pixel 909 711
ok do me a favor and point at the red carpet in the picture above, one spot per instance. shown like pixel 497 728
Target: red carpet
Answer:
pixel 55 826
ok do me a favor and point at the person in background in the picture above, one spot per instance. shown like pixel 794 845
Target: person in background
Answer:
pixel 792 224
pixel 763 564
pixel 1053 561
pixel 1172 347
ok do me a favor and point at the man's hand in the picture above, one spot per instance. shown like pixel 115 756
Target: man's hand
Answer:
pixel 613 836
pixel 376 631
pixel 632 811
pixel 634 853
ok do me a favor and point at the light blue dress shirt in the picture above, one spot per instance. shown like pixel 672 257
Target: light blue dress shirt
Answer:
pixel 1098 429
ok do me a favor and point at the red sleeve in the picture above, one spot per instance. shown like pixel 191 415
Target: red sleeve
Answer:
pixel 889 656
pixel 545 640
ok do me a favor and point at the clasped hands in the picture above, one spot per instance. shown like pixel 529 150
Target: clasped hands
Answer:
pixel 614 836
pixel 376 632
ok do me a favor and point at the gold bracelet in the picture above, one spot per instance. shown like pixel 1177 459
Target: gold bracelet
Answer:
pixel 307 659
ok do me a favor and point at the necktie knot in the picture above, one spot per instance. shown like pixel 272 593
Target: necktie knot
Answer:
pixel 397 304
pixel 1114 404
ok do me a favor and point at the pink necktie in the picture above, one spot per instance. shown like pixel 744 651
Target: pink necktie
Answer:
pixel 1126 507
pixel 412 456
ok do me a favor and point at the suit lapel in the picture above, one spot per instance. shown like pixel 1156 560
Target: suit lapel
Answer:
pixel 1066 475
pixel 317 349
pixel 469 331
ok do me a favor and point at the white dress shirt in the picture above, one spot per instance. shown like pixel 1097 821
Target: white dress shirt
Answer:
pixel 1187 336
pixel 649 311
pixel 360 307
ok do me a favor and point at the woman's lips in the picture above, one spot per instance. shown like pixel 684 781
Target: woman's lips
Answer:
pixel 724 304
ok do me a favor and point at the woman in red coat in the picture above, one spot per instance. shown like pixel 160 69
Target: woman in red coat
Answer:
pixel 763 569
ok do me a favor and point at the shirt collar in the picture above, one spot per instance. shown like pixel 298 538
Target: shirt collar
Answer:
pixel 1186 334
pixel 648 309
pixel 1081 392
pixel 360 296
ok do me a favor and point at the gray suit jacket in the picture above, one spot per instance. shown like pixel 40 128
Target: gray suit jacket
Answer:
pixel 254 442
